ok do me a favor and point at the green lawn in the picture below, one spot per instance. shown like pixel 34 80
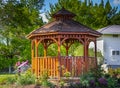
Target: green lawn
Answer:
pixel 3 77
pixel 4 84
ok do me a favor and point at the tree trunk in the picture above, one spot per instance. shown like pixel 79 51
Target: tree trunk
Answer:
pixel 10 71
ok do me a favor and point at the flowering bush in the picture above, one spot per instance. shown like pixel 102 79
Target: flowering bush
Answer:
pixel 17 64
pixel 114 72
pixel 99 79
pixel 21 66
pixel 26 78
pixel 102 81
pixel 92 83
pixel 21 63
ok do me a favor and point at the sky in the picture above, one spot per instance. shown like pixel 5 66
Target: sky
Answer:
pixel 46 6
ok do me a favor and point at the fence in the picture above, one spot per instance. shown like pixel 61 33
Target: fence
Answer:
pixel 57 67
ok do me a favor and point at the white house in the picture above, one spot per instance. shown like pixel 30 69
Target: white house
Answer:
pixel 109 45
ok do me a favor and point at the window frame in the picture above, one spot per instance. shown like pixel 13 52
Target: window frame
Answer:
pixel 115 52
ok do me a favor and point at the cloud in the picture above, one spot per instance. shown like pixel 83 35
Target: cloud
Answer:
pixel 44 17
pixel 116 2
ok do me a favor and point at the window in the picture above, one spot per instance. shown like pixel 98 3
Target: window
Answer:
pixel 115 52
pixel 115 36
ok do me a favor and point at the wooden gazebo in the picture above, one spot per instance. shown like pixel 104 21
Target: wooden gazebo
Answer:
pixel 62 31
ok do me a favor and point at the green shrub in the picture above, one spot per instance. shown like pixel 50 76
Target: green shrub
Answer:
pixel 112 82
pixel 43 80
pixel 62 83
pixel 10 80
pixel 114 72
pixel 86 78
pixel 67 74
pixel 26 78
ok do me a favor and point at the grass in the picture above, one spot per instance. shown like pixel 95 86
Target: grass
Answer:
pixel 15 81
pixel 3 77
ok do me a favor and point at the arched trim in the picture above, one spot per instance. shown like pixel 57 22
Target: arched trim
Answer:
pixel 47 38
pixel 72 38
pixel 90 40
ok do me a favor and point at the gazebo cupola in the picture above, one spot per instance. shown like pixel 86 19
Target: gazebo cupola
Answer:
pixel 63 15
pixel 63 31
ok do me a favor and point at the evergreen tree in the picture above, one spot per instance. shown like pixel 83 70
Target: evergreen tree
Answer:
pixel 102 3
pixel 95 16
pixel 116 19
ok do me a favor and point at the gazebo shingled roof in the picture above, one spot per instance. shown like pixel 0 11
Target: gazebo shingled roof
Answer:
pixel 64 23
pixel 63 31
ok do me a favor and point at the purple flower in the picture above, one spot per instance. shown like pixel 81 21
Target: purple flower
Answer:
pixel 102 81
pixel 92 82
pixel 19 70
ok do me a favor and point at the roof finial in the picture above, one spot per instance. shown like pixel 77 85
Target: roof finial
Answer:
pixel 63 7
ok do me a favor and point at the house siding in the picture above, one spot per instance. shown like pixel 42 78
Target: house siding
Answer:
pixel 111 44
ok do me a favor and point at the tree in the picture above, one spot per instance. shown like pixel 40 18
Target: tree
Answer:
pixel 20 13
pixel 116 19
pixel 94 16
pixel 17 19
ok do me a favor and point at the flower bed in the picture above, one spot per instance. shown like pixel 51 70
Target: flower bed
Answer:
pixel 96 78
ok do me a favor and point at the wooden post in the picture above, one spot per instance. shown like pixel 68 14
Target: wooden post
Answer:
pixel 32 55
pixel 32 48
pixel 67 48
pixel 45 49
pixel 44 67
pixel 85 49
pixel 95 53
pixel 36 57
pixel 59 59
pixel 54 66
pixel 85 55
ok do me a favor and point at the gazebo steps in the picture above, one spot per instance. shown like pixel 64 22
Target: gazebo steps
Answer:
pixel 66 80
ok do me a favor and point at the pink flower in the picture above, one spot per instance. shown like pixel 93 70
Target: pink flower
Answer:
pixel 27 62
pixel 18 63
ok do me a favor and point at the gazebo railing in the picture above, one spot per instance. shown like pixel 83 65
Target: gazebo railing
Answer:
pixel 57 67
pixel 74 65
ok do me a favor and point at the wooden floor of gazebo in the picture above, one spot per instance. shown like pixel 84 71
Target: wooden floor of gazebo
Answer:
pixel 56 66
